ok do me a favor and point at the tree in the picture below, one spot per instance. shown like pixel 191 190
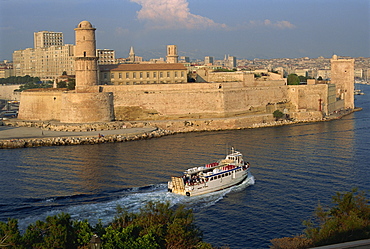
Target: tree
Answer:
pixel 33 85
pixel 19 80
pixel 347 220
pixel 56 232
pixel 62 84
pixel 10 236
pixel 278 114
pixel 71 84
pixel 302 78
pixel 156 225
pixel 293 79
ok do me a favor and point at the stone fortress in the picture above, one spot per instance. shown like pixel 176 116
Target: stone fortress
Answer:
pixel 214 95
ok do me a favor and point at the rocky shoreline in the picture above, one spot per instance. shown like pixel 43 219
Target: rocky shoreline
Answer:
pixel 79 140
pixel 160 128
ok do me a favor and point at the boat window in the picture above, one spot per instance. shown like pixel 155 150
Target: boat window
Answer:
pixel 211 178
pixel 219 176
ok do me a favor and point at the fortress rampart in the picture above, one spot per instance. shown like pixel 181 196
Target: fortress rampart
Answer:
pixel 197 100
pixel 86 107
pixel 37 105
pixel 177 101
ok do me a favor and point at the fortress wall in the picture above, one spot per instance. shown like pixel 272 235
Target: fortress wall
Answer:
pixel 308 116
pixel 215 124
pixel 38 105
pixel 226 77
pixel 166 103
pixel 332 100
pixel 307 97
pixel 7 92
pixel 254 99
pixel 170 87
pixel 135 102
pixel 86 107
pixel 266 83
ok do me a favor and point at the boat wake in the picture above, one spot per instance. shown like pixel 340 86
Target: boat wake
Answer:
pixel 104 209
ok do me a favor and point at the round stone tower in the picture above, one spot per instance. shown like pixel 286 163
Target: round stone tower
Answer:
pixel 87 104
pixel 86 62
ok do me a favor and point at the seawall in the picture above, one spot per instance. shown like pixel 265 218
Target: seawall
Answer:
pixel 160 128
pixel 79 140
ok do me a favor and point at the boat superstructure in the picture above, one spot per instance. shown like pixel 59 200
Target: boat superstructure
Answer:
pixel 211 177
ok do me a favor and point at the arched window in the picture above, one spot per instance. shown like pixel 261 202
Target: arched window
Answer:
pixel 84 53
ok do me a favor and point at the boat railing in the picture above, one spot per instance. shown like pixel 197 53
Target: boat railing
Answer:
pixel 218 164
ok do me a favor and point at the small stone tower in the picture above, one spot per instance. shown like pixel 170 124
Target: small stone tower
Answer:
pixel 86 62
pixel 342 75
pixel 131 55
pixel 172 56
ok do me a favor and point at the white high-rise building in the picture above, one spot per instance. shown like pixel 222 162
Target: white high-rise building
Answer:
pixel 45 39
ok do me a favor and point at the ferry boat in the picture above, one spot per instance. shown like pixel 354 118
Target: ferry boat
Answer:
pixel 211 177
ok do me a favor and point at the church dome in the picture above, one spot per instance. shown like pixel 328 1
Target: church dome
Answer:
pixel 85 25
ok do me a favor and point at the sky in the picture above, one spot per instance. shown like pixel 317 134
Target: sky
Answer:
pixel 246 29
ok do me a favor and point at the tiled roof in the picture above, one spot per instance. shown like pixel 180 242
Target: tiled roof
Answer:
pixel 143 67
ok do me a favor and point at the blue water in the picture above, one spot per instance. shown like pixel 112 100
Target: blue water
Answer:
pixel 293 167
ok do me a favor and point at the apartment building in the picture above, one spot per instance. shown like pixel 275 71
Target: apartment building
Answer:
pixel 106 56
pixel 50 57
pixel 46 63
pixel 44 39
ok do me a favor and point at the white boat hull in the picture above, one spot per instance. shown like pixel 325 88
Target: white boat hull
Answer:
pixel 212 177
pixel 215 185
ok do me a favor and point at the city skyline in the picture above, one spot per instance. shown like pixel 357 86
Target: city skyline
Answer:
pixel 242 28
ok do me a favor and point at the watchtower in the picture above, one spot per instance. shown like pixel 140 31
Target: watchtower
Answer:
pixel 86 62
pixel 172 56
pixel 342 75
